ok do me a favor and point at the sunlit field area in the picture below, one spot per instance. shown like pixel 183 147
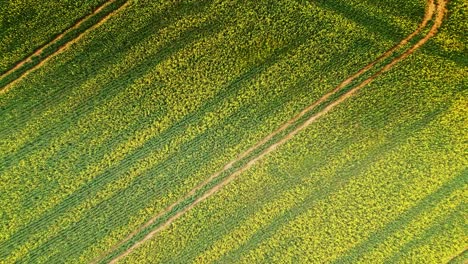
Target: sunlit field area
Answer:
pixel 231 131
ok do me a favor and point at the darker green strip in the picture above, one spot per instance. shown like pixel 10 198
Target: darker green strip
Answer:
pixel 331 185
pixel 101 48
pixel 460 259
pixel 422 206
pixel 238 165
pixel 374 24
pixel 447 223
pixel 186 38
pixel 146 183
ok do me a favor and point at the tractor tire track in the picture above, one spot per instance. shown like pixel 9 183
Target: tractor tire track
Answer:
pixel 430 10
pixel 61 48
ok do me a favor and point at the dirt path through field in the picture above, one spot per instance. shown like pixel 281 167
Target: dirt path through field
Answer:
pixel 427 17
pixel 61 48
pixel 430 9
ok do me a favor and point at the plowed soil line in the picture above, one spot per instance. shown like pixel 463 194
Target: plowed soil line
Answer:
pixel 60 49
pixel 428 15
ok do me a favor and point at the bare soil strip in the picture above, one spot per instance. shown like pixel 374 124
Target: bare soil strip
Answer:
pixel 56 39
pixel 430 9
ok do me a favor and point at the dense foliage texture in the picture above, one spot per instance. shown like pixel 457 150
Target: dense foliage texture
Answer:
pixel 115 139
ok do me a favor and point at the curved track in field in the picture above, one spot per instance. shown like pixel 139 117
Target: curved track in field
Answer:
pixel 431 8
pixel 61 48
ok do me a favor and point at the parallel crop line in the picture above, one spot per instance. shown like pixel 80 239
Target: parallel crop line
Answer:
pixel 179 125
pixel 61 48
pixel 427 17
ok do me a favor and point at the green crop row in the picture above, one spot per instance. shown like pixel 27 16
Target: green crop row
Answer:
pixel 393 177
pixel 459 258
pixel 101 115
pixel 154 158
pixel 132 117
pixel 351 201
pixel 41 156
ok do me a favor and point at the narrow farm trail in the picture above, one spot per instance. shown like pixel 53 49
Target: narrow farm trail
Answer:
pixel 430 10
pixel 61 48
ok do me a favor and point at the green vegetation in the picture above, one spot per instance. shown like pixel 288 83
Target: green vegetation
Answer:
pixel 144 107
pixel 26 25
pixel 462 258
pixel 60 42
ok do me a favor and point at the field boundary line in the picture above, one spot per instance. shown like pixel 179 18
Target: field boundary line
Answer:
pixel 430 9
pixel 62 47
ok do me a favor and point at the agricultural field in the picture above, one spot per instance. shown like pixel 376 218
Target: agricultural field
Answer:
pixel 228 131
pixel 26 26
